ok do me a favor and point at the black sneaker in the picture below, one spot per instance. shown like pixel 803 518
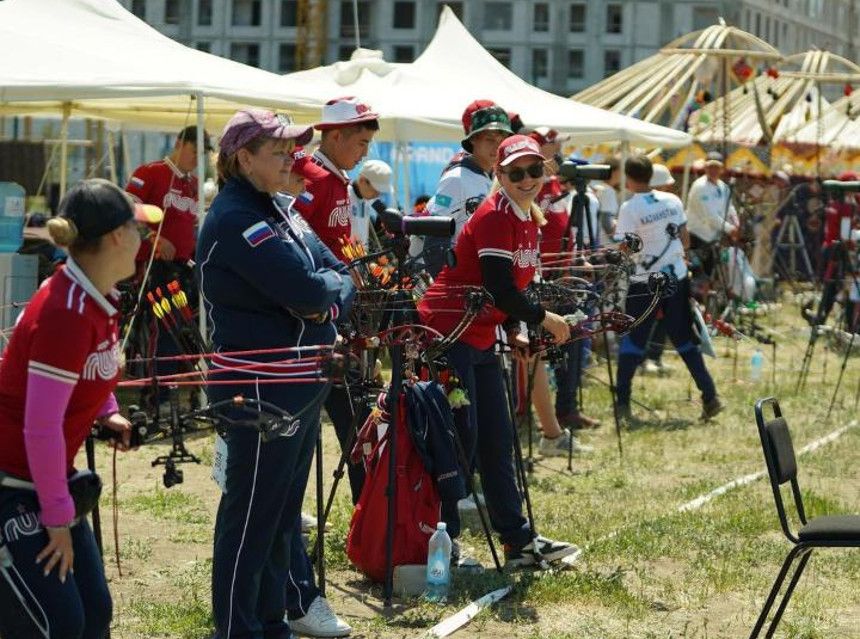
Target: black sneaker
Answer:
pixel 712 408
pixel 537 550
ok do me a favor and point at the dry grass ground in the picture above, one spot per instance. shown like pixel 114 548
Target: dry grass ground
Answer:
pixel 648 570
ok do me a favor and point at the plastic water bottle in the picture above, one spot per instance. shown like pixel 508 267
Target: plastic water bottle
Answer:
pixel 439 564
pixel 756 365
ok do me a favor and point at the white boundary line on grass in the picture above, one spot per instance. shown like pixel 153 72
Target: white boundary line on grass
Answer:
pixel 701 500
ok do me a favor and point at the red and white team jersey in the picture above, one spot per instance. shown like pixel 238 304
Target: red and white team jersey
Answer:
pixel 498 228
pixel 325 204
pixel 67 333
pixel 555 208
pixel 164 185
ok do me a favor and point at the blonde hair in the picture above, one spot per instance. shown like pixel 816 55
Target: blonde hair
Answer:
pixel 64 234
pixel 62 231
pixel 537 214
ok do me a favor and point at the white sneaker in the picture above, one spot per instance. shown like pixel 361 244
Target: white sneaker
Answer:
pixel 320 622
pixel 467 504
pixel 309 523
pixel 650 367
pixel 559 446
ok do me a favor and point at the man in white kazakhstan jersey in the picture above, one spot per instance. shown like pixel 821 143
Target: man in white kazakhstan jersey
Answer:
pixel 658 218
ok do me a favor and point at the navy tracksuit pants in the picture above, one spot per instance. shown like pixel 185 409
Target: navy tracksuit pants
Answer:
pixel 488 439
pixel 258 529
pixel 679 327
pixel 80 608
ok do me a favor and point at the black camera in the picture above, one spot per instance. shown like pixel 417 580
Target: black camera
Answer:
pixel 571 171
pixel 838 186
pixel 398 224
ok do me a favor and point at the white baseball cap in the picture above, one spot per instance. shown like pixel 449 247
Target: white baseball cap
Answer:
pixel 661 176
pixel 379 174
pixel 342 112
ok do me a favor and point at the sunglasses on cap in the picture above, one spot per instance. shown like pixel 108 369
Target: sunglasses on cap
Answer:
pixel 518 173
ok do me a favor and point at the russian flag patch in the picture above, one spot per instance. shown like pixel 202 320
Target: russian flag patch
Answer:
pixel 306 197
pixel 258 233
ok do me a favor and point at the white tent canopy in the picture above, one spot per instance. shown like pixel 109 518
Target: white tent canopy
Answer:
pixel 92 58
pixel 425 100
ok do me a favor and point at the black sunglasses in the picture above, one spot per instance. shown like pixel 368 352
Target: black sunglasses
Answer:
pixel 518 173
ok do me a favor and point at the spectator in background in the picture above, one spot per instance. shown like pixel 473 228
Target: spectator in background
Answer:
pixel 607 197
pixel 465 183
pixel 375 179
pixel 171 185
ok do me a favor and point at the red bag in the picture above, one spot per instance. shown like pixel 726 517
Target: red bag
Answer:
pixel 416 506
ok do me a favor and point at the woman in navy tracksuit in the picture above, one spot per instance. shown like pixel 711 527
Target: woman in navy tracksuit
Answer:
pixel 267 283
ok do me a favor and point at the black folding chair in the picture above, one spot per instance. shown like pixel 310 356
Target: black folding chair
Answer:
pixel 838 531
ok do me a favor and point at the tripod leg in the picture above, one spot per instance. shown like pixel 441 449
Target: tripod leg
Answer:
pixel 320 541
pixel 614 398
pixel 90 448
pixel 482 514
pixel 841 373
pixel 518 450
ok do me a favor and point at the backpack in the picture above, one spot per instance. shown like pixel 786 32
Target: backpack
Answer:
pixel 416 503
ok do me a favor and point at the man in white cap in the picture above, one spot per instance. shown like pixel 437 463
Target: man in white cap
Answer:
pixel 710 212
pixel 375 179
pixel 348 127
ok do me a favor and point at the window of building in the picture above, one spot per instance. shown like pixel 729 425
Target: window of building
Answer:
pixel 577 18
pixel 503 55
pixel 611 62
pixel 247 13
pixel 345 52
pixel 204 45
pixel 404 53
pixel 766 35
pixel 614 18
pixel 540 65
pixel 138 8
pixel 289 13
pixel 246 53
pixel 286 58
pixel 498 16
pixel 171 11
pixel 204 13
pixel 757 31
pixel 347 19
pixel 404 15
pixel 540 17
pixel 704 17
pixel 575 63
pixel 456 7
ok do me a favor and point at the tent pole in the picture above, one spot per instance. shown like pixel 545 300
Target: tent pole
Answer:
pixel 126 152
pixel 685 183
pixel 407 195
pixel 201 212
pixel 64 147
pixel 112 156
pixel 622 185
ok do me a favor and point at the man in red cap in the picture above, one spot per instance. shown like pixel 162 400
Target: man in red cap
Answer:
pixel 348 127
pixel 466 181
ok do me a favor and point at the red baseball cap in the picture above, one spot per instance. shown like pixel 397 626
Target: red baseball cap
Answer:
pixel 545 135
pixel 475 105
pixel 516 147
pixel 343 112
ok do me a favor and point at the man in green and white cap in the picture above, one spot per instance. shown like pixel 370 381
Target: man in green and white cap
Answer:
pixel 467 180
